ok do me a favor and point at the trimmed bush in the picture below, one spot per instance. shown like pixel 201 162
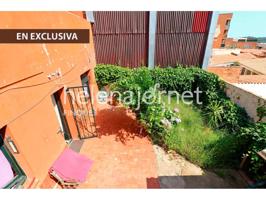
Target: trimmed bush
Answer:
pixel 107 74
pixel 175 79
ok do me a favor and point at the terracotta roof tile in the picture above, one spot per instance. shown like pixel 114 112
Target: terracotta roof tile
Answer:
pixel 258 65
pixel 232 75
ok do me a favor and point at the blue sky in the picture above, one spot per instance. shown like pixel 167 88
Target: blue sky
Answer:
pixel 248 23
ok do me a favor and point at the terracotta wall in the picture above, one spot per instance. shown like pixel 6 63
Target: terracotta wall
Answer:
pixel 230 43
pixel 220 28
pixel 25 91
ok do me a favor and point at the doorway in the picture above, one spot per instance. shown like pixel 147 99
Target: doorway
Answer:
pixel 81 105
pixel 59 110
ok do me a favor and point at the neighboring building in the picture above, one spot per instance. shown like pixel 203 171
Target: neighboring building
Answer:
pixel 261 45
pixel 245 80
pixel 237 74
pixel 254 66
pixel 37 87
pixel 248 91
pixel 222 41
pixel 225 57
pixel 161 38
pixel 244 73
pixel 222 29
pixel 242 43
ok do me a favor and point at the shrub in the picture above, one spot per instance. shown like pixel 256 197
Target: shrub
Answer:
pixel 254 139
pixel 137 83
pixel 211 86
pixel 234 116
pixel 107 74
pixel 152 121
pixel 261 112
pixel 214 113
pixel 175 79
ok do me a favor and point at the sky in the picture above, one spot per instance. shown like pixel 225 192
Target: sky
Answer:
pixel 248 23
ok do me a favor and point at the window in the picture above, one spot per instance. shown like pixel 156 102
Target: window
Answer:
pixel 11 174
pixel 225 32
pixel 228 22
pixel 85 84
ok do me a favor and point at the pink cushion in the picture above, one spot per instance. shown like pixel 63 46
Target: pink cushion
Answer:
pixel 71 166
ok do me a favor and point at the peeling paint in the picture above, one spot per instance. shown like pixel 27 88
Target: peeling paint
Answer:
pixel 47 53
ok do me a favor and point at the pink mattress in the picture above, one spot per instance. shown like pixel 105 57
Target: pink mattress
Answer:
pixel 71 166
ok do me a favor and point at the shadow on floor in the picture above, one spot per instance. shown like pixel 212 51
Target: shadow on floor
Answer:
pixel 208 180
pixel 118 121
pixel 153 183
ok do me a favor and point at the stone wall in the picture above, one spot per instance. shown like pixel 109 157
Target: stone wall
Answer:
pixel 245 99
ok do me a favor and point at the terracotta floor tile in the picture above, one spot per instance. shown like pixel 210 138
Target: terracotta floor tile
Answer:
pixel 123 155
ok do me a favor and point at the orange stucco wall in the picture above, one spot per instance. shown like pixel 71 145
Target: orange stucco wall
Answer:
pixel 25 91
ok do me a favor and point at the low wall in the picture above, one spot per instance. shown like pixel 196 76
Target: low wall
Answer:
pixel 246 100
pixel 216 52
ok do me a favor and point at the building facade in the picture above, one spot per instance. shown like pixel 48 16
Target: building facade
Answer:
pixel 222 29
pixel 36 90
pixel 242 43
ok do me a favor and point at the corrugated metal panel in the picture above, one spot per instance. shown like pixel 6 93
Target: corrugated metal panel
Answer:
pixel 174 22
pixel 181 38
pixel 201 21
pixel 121 38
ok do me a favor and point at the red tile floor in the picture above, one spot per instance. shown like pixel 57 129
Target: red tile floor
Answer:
pixel 123 154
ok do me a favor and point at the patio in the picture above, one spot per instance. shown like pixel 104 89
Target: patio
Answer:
pixel 123 155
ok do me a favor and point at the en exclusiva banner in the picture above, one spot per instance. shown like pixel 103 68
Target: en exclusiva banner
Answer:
pixel 44 36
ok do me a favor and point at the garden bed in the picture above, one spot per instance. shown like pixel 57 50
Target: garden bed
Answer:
pixel 213 133
pixel 197 141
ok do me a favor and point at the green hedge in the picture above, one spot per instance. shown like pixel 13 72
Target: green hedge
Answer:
pixel 107 74
pixel 232 117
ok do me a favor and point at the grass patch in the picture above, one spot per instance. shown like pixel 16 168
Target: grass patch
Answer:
pixel 199 143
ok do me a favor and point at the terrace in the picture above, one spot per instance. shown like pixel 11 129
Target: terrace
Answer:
pixel 125 157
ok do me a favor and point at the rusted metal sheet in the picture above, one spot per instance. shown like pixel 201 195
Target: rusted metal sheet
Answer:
pixel 181 38
pixel 201 21
pixel 121 38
